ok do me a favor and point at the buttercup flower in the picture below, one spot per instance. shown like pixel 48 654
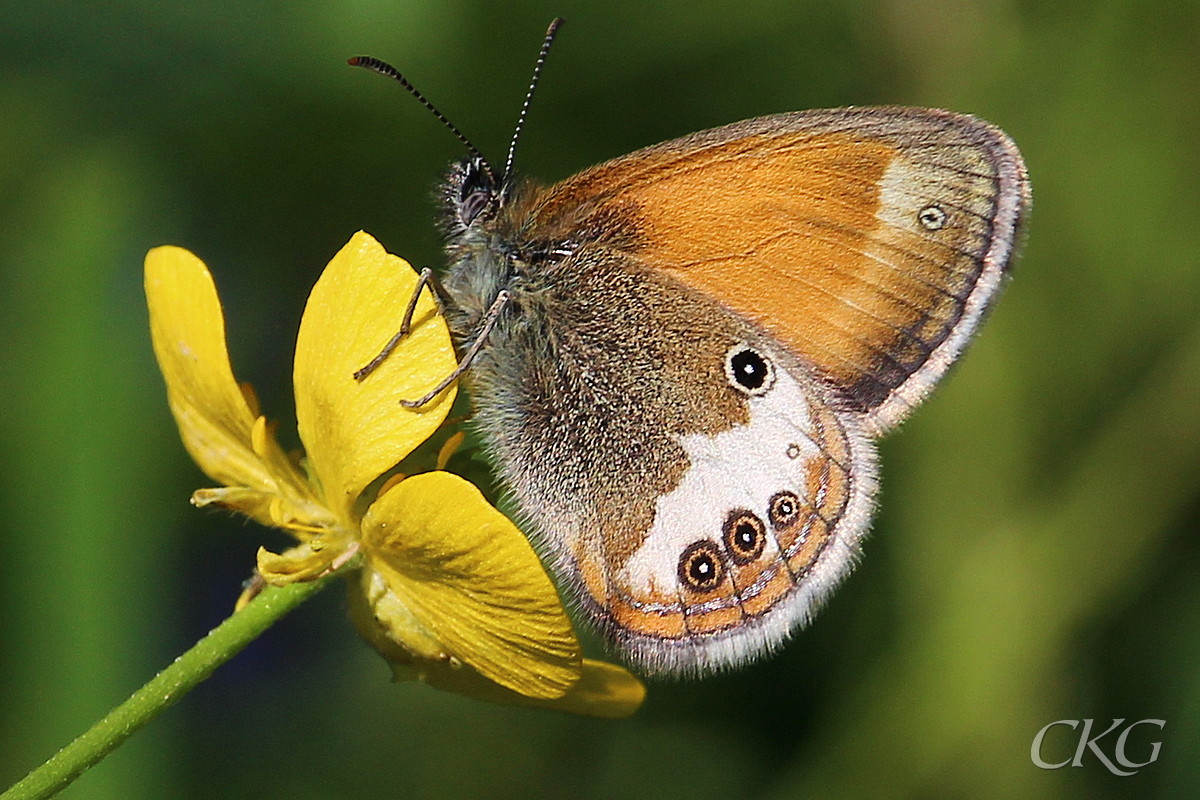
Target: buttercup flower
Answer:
pixel 448 589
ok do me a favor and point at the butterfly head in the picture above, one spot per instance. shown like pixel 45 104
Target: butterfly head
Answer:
pixel 484 255
pixel 471 195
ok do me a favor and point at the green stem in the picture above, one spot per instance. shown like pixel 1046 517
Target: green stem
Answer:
pixel 221 644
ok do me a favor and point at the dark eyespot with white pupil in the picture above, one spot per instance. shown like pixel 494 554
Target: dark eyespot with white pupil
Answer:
pixel 748 370
pixel 932 217
pixel 784 509
pixel 700 567
pixel 745 537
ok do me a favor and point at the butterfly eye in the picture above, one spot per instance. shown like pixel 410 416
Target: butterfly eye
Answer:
pixel 700 567
pixel 785 509
pixel 748 370
pixel 932 217
pixel 472 205
pixel 475 189
pixel 745 536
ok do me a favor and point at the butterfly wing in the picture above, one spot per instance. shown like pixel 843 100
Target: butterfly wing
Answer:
pixel 692 487
pixel 868 241
pixel 764 523
pixel 701 340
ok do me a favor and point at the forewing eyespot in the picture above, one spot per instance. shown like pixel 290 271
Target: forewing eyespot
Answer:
pixel 700 567
pixel 748 370
pixel 932 217
pixel 745 536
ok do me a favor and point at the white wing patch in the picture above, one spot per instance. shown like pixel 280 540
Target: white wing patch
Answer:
pixel 738 468
pixel 743 469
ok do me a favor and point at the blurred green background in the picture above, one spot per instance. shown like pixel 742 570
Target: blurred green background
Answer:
pixel 1035 556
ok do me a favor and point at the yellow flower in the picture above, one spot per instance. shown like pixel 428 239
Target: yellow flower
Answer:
pixel 448 589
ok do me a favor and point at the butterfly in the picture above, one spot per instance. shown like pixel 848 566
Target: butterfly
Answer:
pixel 679 359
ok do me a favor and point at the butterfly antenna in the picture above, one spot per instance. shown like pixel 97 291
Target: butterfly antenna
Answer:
pixel 551 32
pixel 386 69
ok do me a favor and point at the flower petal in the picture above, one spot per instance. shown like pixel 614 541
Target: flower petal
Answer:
pixel 463 584
pixel 603 690
pixel 225 436
pixel 354 431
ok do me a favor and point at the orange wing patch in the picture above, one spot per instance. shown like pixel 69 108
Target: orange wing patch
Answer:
pixel 803 240
pixel 856 238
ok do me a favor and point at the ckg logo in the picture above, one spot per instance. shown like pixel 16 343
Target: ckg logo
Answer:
pixel 1118 747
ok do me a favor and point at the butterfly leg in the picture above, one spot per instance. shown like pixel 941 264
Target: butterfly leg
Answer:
pixel 489 322
pixel 427 278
